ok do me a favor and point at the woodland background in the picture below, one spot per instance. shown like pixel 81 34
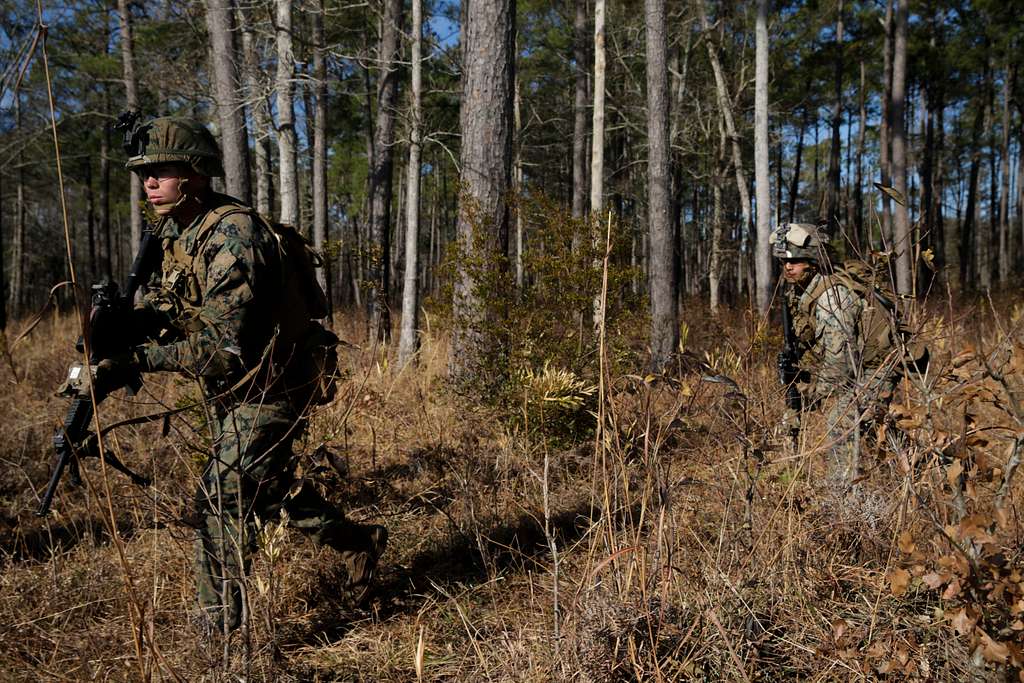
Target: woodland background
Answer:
pixel 545 235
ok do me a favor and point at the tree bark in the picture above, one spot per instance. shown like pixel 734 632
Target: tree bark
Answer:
pixel 131 87
pixel 884 149
pixel 320 236
pixel 597 126
pixel 862 239
pixel 579 131
pixel 902 242
pixel 1006 244
pixel 762 256
pixel 381 169
pixel 261 120
pixel 715 257
pixel 407 341
pixel 664 321
pixel 286 139
pixel 830 213
pixel 478 348
pixel 730 126
pixel 234 137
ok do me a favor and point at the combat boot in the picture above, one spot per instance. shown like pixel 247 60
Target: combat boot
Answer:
pixel 362 566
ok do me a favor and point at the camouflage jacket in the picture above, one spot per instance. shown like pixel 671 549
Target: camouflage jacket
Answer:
pixel 217 296
pixel 827 323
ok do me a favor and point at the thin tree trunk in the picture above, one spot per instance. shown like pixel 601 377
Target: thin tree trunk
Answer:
pixel 407 341
pixel 478 348
pixel 381 169
pixel 862 238
pixel 234 137
pixel 715 257
pixel 884 156
pixel 730 126
pixel 286 139
pixel 261 120
pixel 597 145
pixel 1005 236
pixel 517 181
pixel 320 236
pixel 664 315
pixel 762 256
pixel 794 188
pixel 90 216
pixel 830 213
pixel 17 293
pixel 132 103
pixel 902 242
pixel 579 132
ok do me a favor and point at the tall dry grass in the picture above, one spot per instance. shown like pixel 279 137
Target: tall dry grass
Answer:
pixel 687 541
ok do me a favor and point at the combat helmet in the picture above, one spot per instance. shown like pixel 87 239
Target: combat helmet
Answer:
pixel 798 241
pixel 169 139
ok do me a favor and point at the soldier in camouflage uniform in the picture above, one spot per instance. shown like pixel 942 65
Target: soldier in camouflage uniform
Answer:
pixel 220 312
pixel 841 361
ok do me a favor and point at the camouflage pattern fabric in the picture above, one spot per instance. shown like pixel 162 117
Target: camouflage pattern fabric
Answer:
pixel 251 476
pixel 829 329
pixel 216 300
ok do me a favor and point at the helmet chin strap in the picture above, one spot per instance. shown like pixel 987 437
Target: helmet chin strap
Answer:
pixel 185 195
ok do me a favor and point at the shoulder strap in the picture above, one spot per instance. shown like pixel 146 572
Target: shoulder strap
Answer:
pixel 212 218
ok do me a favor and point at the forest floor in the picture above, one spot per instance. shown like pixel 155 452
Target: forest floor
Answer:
pixel 687 540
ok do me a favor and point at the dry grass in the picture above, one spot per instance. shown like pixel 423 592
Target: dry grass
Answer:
pixel 690 544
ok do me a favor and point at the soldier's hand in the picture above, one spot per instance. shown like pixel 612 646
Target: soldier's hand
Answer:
pixel 790 422
pixel 110 374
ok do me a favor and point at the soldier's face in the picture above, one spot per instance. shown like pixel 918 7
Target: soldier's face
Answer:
pixel 165 185
pixel 798 271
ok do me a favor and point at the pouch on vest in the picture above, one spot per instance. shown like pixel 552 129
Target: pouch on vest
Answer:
pixel 312 376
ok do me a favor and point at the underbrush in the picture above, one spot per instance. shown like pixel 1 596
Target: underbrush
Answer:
pixel 641 528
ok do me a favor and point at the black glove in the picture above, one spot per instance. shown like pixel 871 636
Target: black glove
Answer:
pixel 117 371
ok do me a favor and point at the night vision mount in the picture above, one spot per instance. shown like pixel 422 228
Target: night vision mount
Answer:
pixel 135 135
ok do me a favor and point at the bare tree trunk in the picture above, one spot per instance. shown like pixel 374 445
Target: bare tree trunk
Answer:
pixel 257 101
pixel 17 293
pixel 762 256
pixel 794 188
pixel 3 265
pixel 884 156
pixel 381 168
pixel 902 241
pixel 830 214
pixel 1005 236
pixel 132 102
pixel 715 257
pixel 597 144
pixel 862 239
pixel 485 119
pixel 662 282
pixel 286 142
pixel 90 216
pixel 108 243
pixel 730 126
pixel 579 132
pixel 234 137
pixel 320 236
pixel 407 341
pixel 517 182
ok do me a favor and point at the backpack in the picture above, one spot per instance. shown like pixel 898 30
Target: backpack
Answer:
pixel 310 350
pixel 882 327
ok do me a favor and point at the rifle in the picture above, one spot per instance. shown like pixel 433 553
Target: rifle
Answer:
pixel 789 372
pixel 109 333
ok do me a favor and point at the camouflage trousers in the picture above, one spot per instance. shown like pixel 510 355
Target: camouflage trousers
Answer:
pixel 853 420
pixel 251 476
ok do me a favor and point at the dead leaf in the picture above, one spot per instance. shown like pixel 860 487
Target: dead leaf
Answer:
pixel 899 579
pixel 952 590
pixel 893 193
pixel 906 543
pixel 993 650
pixel 933 580
pixel 839 627
pixel 953 473
pixel 962 622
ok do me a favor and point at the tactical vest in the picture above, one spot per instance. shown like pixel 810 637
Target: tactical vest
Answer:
pixel 303 349
pixel 880 328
